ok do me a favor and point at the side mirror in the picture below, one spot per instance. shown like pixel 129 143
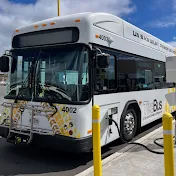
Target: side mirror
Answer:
pixel 103 60
pixel 4 64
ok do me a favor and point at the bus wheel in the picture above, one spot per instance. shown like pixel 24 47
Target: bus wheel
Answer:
pixel 128 125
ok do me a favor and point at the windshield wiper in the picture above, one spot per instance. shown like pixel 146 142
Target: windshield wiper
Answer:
pixel 54 89
pixel 22 86
pixel 49 100
pixel 52 93
pixel 32 68
pixel 20 83
pixel 52 105
pixel 47 84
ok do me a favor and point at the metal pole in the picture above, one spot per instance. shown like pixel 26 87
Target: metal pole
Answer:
pixel 96 141
pixel 58 5
pixel 175 126
pixel 168 144
pixel 175 116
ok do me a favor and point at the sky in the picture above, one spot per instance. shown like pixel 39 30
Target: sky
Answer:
pixel 158 17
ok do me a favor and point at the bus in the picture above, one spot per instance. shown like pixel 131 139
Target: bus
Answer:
pixel 60 67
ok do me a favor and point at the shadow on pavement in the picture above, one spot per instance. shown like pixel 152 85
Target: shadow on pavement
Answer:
pixel 27 160
pixel 22 159
pixel 117 145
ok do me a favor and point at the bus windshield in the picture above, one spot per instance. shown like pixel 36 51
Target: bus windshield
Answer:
pixel 59 72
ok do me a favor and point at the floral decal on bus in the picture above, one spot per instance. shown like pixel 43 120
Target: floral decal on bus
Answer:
pixel 60 123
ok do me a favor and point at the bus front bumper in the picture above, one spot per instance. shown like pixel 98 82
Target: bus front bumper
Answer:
pixel 59 142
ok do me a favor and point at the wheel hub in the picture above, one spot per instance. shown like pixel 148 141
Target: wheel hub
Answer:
pixel 129 123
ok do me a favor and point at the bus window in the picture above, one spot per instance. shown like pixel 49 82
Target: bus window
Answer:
pixel 159 76
pixel 144 74
pixel 126 73
pixel 106 78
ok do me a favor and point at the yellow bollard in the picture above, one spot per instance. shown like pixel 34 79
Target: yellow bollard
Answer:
pixel 96 141
pixel 168 144
pixel 58 6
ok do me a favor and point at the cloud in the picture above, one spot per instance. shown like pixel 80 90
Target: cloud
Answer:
pixel 157 4
pixel 172 43
pixel 168 20
pixel 13 15
pixel 165 22
pixel 174 4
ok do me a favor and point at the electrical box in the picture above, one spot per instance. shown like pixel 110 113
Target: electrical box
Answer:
pixel 171 69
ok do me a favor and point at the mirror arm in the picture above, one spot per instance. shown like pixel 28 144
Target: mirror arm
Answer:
pixel 8 55
pixel 6 52
pixel 95 49
pixel 98 55
pixel 101 53
pixel 99 50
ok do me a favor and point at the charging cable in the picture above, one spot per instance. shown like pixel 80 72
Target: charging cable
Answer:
pixel 136 143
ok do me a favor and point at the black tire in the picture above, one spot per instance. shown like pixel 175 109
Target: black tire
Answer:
pixel 124 136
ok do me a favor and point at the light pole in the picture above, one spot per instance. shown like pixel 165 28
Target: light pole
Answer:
pixel 58 4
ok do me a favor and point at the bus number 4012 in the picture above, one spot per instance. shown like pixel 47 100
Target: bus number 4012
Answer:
pixel 69 109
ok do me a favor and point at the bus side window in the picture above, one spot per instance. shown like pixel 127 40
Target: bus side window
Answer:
pixel 126 73
pixel 144 73
pixel 106 78
pixel 159 76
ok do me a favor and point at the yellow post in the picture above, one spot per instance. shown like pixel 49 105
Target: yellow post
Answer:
pixel 96 141
pixel 58 4
pixel 168 144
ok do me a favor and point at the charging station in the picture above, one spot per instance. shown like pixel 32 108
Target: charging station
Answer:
pixel 171 78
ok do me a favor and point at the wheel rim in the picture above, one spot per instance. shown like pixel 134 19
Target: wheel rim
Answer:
pixel 129 124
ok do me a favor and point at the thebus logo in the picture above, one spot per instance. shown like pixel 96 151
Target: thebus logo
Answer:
pixel 157 105
pixel 152 108
pixel 104 38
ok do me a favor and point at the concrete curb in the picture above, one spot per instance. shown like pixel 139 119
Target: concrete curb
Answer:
pixel 120 152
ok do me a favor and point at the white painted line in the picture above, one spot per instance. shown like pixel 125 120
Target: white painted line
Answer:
pixel 120 152
pixel 96 121
pixel 168 132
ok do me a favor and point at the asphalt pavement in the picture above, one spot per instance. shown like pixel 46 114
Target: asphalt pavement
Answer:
pixel 26 160
pixel 137 160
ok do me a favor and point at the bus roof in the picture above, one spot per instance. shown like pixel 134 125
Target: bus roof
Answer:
pixel 105 21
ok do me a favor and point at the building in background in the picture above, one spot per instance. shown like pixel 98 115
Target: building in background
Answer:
pixel 3 78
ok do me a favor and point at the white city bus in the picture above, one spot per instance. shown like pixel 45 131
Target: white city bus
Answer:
pixel 60 67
